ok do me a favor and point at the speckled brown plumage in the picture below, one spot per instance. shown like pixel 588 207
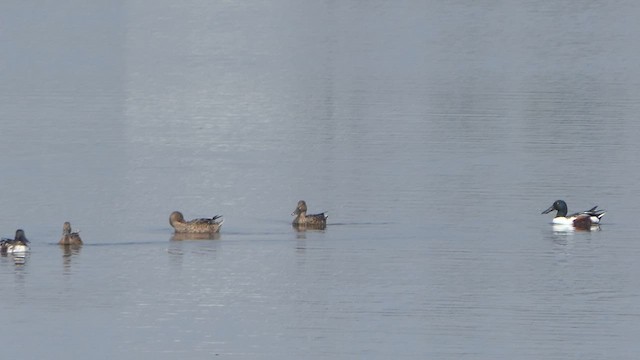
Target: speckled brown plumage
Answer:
pixel 205 225
pixel 69 237
pixel 312 220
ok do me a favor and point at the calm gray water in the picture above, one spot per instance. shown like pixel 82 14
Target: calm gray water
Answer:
pixel 434 133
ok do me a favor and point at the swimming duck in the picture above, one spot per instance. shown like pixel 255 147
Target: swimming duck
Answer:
pixel 19 244
pixel 302 219
pixel 581 219
pixel 69 237
pixel 204 225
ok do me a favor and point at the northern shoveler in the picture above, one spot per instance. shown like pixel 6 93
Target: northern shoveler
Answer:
pixel 19 244
pixel 313 220
pixel 69 237
pixel 581 219
pixel 204 225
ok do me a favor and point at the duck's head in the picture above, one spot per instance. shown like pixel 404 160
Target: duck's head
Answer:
pixel 66 228
pixel 301 208
pixel 176 217
pixel 20 236
pixel 558 205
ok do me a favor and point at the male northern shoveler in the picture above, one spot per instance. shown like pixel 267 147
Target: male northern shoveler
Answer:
pixel 313 220
pixel 205 225
pixel 580 219
pixel 19 244
pixel 69 237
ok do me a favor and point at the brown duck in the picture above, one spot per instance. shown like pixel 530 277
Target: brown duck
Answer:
pixel 205 225
pixel 69 237
pixel 312 220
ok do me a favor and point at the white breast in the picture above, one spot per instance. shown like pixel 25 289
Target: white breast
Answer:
pixel 563 220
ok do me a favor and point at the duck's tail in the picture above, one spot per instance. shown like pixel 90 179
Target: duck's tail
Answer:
pixel 598 214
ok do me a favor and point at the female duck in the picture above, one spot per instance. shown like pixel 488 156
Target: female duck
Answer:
pixel 198 226
pixel 302 219
pixel 19 244
pixel 581 219
pixel 69 237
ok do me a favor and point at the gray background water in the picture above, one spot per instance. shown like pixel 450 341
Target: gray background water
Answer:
pixel 434 133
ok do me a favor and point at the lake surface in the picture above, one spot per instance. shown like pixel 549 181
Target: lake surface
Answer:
pixel 433 132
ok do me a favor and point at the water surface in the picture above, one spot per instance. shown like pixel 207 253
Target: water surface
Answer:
pixel 434 133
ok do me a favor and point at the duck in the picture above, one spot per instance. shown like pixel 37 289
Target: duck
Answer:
pixel 18 245
pixel 302 219
pixel 204 225
pixel 69 237
pixel 581 219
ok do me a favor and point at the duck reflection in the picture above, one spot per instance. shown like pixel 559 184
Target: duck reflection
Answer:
pixel 302 229
pixel 18 259
pixel 561 229
pixel 300 234
pixel 68 252
pixel 195 236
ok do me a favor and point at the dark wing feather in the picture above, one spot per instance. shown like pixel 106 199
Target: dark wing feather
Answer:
pixel 591 212
pixel 206 220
